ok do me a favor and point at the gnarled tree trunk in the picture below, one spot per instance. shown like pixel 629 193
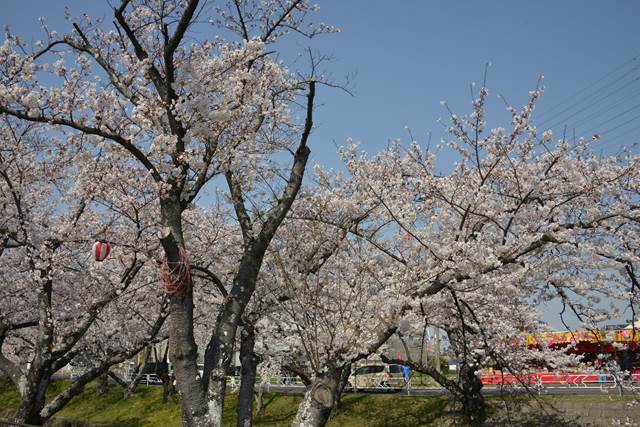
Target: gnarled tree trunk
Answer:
pixel 32 400
pixel 469 385
pixel 319 400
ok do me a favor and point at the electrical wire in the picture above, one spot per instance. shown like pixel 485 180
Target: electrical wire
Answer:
pixel 607 109
pixel 590 86
pixel 599 125
pixel 559 122
pixel 621 125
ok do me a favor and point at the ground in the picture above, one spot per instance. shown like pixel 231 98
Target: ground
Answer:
pixel 386 410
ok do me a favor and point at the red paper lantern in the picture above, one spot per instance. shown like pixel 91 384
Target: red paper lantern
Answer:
pixel 101 250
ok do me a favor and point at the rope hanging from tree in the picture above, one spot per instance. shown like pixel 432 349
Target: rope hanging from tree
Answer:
pixel 176 276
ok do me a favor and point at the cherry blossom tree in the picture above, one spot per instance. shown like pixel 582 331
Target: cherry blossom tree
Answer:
pixel 338 295
pixel 186 111
pixel 58 304
pixel 484 330
pixel 520 219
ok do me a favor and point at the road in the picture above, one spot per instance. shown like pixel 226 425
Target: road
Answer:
pixel 602 389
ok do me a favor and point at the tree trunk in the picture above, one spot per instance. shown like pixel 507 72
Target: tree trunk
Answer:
pixel 33 399
pixel 183 351
pixel 28 412
pixel 218 383
pixel 469 385
pixel 168 388
pixel 249 362
pixel 315 408
pixel 260 400
pixel 220 348
pixel 467 389
pixel 183 354
pixel 103 385
pixel 473 404
pixel 138 374
pixel 344 379
pixel 39 373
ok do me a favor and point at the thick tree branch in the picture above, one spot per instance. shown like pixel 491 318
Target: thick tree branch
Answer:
pixel 184 23
pixel 141 54
pixel 278 213
pixel 89 130
pixel 237 199
pixel 213 277
pixel 299 371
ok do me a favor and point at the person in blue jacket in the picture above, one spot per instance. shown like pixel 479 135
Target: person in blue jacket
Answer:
pixel 406 372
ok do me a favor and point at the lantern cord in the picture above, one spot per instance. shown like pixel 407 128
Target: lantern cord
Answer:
pixel 176 276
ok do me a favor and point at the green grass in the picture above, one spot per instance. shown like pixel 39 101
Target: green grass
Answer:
pixel 388 411
pixel 145 408
pixel 423 380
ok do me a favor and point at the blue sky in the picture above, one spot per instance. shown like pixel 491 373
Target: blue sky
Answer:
pixel 413 54
pixel 404 57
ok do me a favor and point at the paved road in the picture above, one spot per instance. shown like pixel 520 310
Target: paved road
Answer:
pixel 488 391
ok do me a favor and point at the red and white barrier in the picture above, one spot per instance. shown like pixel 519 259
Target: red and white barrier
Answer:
pixel 543 378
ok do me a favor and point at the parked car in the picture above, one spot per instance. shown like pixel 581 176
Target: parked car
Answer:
pixel 151 379
pixel 381 377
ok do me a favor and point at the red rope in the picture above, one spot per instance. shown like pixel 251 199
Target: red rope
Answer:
pixel 176 279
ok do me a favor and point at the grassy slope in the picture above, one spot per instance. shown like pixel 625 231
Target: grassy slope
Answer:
pixel 357 410
pixel 146 409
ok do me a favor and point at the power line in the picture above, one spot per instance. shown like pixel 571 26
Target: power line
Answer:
pixel 590 105
pixel 591 85
pixel 608 108
pixel 625 134
pixel 591 129
pixel 620 125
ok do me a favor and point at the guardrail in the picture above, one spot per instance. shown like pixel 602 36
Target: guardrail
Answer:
pixel 560 379
pixel 540 380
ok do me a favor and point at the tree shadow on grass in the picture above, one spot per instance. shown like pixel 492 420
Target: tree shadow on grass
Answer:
pixel 279 410
pixel 268 402
pixel 389 411
pixel 527 413
pixel 531 420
